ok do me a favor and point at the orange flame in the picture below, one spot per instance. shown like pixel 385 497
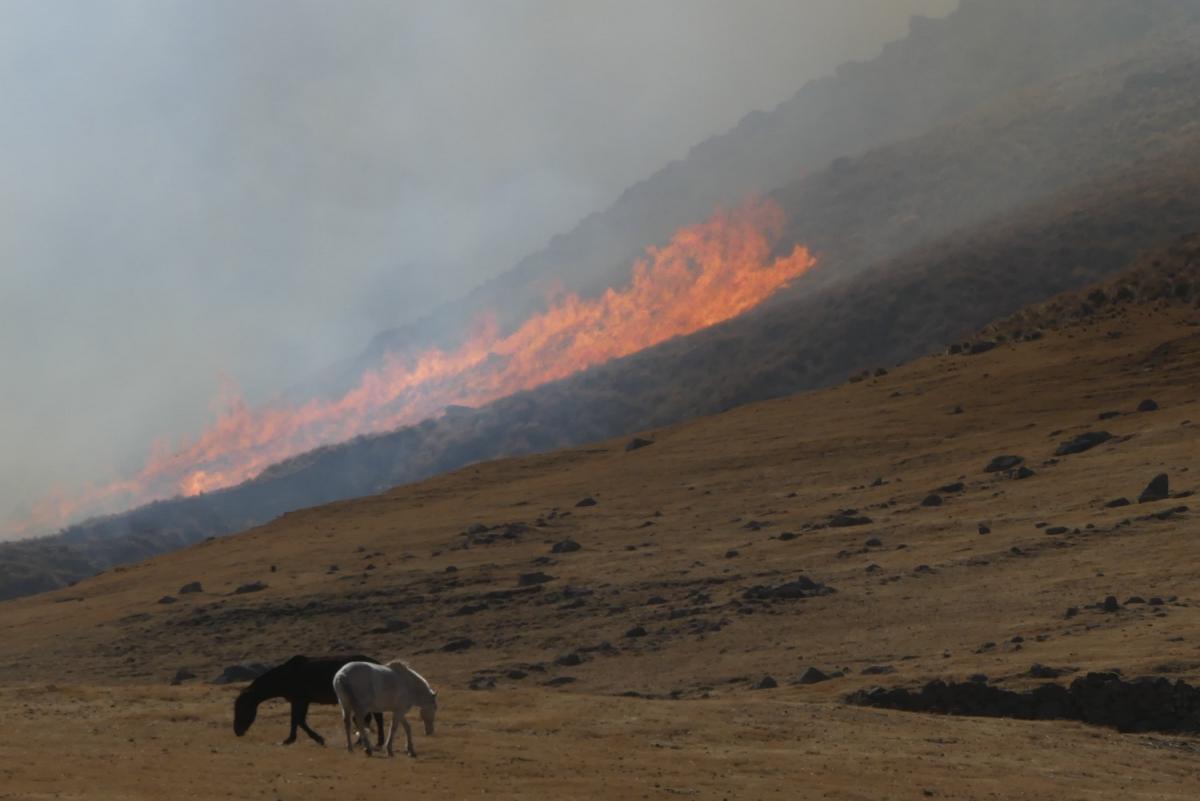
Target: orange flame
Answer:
pixel 706 274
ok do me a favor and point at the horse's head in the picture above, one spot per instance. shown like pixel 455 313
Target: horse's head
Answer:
pixel 245 709
pixel 429 712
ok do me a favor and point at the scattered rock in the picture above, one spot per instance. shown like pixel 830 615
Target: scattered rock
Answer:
pixel 636 631
pixel 984 529
pixel 878 670
pixel 982 346
pixel 532 579
pixel 1147 405
pixel 558 681
pixel 566 546
pixel 1107 415
pixel 933 499
pixel 1023 472
pixel 637 442
pixel 1158 489
pixel 569 660
pixel 1117 502
pixel 477 528
pixel 458 644
pixel 190 588
pixel 874 542
pixel 182 675
pixel 978 678
pixel 586 502
pixel 957 486
pixel 803 587
pixel 1054 531
pixel 655 599
pixel 1110 604
pixel 813 676
pixel 842 520
pixel 1040 671
pixel 1002 463
pixel 766 683
pixel 167 599
pixel 1084 442
pixel 731 553
pixel 515 674
pixel 787 535
pixel 253 586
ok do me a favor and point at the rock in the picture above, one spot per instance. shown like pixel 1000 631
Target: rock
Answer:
pixel 182 675
pixel 1040 671
pixel 167 599
pixel 1110 604
pixel 636 631
pixel 1134 599
pixel 984 529
pixel 874 542
pixel 654 600
pixel 1117 502
pixel 1084 442
pixel 1023 472
pixel 1158 489
pixel 566 546
pixel 731 553
pixel 813 676
pixel 558 681
pixel 1002 463
pixel 1147 405
pixel 1072 611
pixel 482 683
pixel 636 443
pixel 803 587
pixel 933 499
pixel 240 673
pixel 982 346
pixel 477 528
pixel 1054 531
pixel 253 586
pixel 1107 415
pixel 515 674
pixel 766 683
pixel 190 588
pixel 847 520
pixel 787 535
pixel 531 579
pixel 957 486
pixel 878 670
pixel 569 660
pixel 978 678
pixel 586 502
pixel 458 644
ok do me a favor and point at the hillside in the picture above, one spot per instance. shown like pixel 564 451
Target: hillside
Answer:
pixel 650 638
pixel 1066 168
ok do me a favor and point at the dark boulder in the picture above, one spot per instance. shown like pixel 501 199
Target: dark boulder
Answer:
pixel 1147 405
pixel 586 502
pixel 1084 442
pixel 766 683
pixel 194 586
pixel 933 499
pixel 1002 463
pixel 566 546
pixel 803 587
pixel 1158 489
pixel 813 676
pixel 253 586
pixel 532 579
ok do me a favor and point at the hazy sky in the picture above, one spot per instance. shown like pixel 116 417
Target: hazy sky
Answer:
pixel 252 188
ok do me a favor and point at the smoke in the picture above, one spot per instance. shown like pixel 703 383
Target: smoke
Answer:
pixel 192 191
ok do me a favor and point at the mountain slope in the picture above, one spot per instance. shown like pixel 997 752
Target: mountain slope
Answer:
pixel 649 639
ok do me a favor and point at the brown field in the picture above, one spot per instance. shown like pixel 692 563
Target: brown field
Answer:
pixel 84 672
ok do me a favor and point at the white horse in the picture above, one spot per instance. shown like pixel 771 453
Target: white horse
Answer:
pixel 363 688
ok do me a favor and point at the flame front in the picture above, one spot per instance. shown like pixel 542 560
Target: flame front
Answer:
pixel 706 274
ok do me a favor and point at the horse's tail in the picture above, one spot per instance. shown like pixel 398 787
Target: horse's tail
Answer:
pixel 345 696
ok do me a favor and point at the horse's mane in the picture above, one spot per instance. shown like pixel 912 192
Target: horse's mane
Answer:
pixel 395 664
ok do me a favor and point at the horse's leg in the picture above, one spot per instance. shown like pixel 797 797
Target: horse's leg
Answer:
pixel 391 735
pixel 379 726
pixel 297 714
pixel 304 722
pixel 408 743
pixel 348 720
pixel 361 720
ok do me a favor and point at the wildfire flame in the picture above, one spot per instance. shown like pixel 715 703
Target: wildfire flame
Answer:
pixel 706 274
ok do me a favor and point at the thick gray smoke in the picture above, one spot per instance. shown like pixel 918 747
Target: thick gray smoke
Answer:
pixel 192 190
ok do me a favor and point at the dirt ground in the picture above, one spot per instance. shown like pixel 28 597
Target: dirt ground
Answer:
pixel 575 702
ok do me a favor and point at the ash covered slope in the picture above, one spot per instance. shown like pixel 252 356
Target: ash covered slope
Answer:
pixel 1119 135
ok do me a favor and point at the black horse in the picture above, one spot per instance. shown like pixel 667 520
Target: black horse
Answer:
pixel 302 680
